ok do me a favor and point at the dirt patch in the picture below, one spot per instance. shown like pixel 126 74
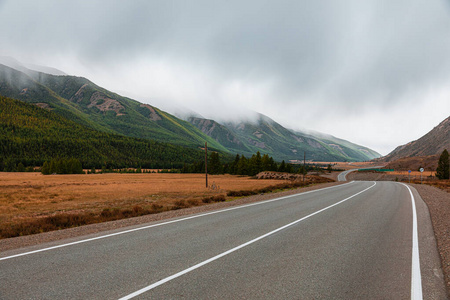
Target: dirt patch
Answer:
pixel 104 103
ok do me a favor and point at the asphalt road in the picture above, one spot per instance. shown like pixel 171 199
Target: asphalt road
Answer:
pixel 343 175
pixel 351 241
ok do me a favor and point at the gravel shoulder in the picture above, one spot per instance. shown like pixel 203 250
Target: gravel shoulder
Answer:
pixel 438 203
pixel 36 239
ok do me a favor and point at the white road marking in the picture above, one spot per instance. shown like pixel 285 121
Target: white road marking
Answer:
pixel 416 277
pixel 162 281
pixel 165 223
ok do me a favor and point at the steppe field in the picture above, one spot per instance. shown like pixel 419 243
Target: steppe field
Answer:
pixel 27 197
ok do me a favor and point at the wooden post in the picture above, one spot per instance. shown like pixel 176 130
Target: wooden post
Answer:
pixel 304 165
pixel 206 163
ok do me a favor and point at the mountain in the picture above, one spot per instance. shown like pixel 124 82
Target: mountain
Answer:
pixel 267 136
pixel 31 135
pixel 432 143
pixel 345 147
pixel 15 64
pixel 221 134
pixel 82 101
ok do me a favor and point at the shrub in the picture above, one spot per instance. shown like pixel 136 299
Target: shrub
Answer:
pixel 217 198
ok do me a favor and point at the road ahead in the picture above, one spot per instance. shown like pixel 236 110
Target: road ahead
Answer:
pixel 352 241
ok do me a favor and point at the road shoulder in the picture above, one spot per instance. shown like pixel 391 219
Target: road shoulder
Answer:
pixel 438 205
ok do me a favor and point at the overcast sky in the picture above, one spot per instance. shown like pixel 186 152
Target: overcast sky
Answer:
pixel 374 72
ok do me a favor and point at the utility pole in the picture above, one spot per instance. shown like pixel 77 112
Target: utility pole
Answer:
pixel 206 163
pixel 304 165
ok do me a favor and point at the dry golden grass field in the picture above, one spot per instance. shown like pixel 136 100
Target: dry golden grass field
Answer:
pixel 348 165
pixel 26 197
pixel 33 194
pixel 415 174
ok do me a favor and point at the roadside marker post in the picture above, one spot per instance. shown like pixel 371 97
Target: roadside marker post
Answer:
pixel 206 163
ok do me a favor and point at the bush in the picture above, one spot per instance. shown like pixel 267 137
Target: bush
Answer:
pixel 217 198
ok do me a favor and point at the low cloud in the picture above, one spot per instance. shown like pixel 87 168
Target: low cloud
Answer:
pixel 360 71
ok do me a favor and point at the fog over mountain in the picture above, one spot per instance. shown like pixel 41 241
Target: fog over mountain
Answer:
pixel 372 72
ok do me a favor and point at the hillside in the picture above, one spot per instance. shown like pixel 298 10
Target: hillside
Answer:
pixel 221 134
pixel 414 163
pixel 82 101
pixel 32 135
pixel 267 136
pixel 433 143
pixel 346 148
pixel 85 103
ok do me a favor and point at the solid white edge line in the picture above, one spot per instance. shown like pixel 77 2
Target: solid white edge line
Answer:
pixel 162 281
pixel 416 277
pixel 168 222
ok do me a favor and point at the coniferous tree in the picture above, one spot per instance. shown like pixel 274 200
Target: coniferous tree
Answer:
pixel 443 169
pixel 255 164
pixel 232 169
pixel 242 167
pixel 265 162
pixel 46 168
pixel 288 168
pixel 214 166
pixel 20 167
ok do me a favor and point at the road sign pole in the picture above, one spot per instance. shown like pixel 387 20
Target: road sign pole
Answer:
pixel 421 171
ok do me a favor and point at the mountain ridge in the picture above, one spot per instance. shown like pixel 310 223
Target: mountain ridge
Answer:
pixel 432 143
pixel 267 136
pixel 82 101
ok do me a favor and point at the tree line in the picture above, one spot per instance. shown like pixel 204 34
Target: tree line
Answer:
pixel 62 166
pixel 30 135
pixel 242 165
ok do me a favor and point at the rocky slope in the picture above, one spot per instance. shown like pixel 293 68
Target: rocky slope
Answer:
pixel 433 143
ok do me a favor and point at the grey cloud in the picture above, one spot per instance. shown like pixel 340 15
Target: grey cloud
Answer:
pixel 346 57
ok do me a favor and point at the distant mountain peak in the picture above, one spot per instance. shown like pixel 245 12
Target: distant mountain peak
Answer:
pixel 26 67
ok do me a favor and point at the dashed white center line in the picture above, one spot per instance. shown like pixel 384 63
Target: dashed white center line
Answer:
pixel 167 279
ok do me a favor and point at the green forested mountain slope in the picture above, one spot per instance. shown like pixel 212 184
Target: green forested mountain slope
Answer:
pixel 346 148
pixel 267 136
pixel 84 102
pixel 221 134
pixel 32 135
